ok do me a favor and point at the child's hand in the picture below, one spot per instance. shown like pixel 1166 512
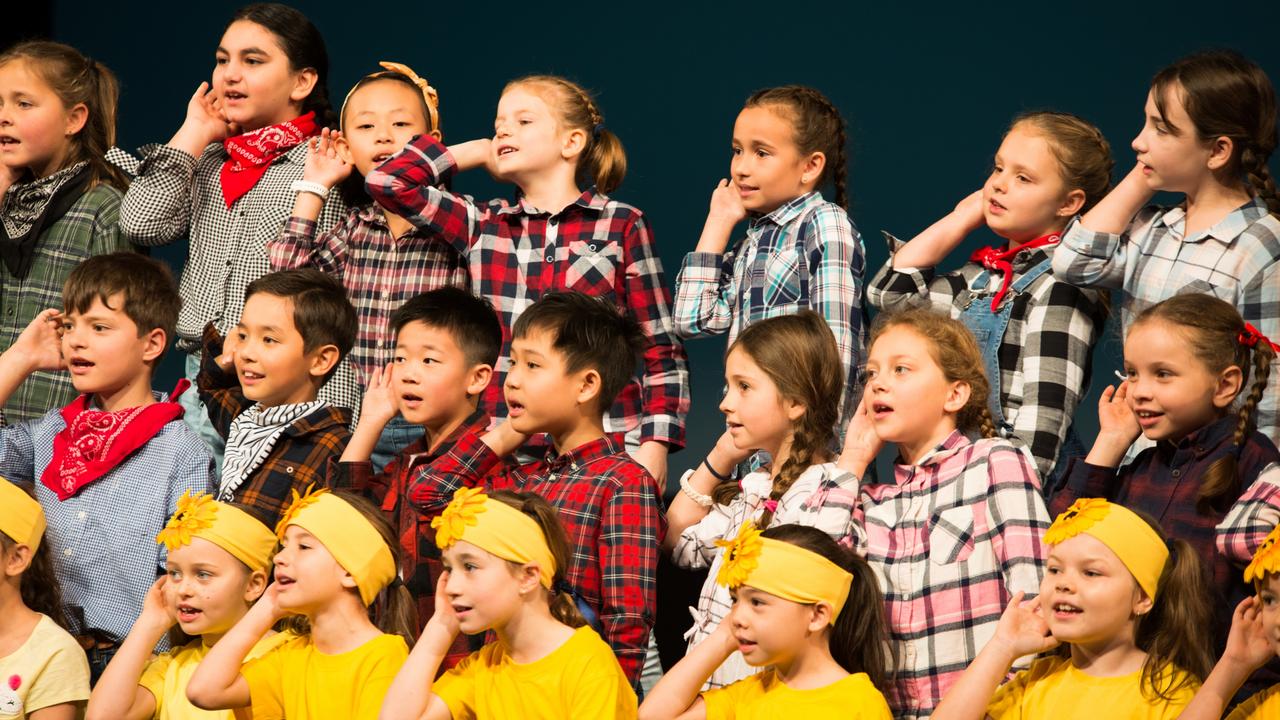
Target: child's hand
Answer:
pixel 325 165
pixel 968 212
pixel 726 203
pixel 1117 422
pixel 156 615
pixel 379 403
pixel 1247 644
pixel 726 455
pixel 1022 629
pixel 269 604
pixel 230 347
pixel 861 443
pixel 443 626
pixel 205 119
pixel 41 342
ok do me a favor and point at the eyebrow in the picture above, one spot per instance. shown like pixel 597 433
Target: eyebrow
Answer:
pixel 243 51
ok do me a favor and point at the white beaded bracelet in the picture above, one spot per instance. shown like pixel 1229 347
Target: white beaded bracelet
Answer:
pixel 697 497
pixel 307 186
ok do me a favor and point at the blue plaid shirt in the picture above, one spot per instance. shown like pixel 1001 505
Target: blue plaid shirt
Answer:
pixel 103 540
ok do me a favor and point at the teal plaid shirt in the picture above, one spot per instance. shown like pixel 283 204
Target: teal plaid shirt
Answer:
pixel 89 228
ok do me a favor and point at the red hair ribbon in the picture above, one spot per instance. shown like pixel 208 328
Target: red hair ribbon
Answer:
pixel 999 261
pixel 1251 336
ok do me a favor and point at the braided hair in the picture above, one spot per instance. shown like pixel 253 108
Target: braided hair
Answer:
pixel 818 128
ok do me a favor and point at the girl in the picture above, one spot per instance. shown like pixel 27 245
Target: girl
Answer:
pixel 1188 360
pixel 1125 604
pixel 504 556
pixel 227 178
pixel 381 258
pixel 45 671
pixel 1036 332
pixel 338 557
pixel 784 378
pixel 957 531
pixel 806 608
pixel 550 139
pixel 1210 128
pixel 60 199
pixel 218 556
pixel 801 251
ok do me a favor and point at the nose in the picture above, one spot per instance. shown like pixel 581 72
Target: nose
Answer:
pixel 512 380
pixel 500 131
pixel 1139 143
pixel 1139 389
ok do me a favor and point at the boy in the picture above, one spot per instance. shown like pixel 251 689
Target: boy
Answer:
pixel 108 468
pixel 447 342
pixel 571 354
pixel 260 387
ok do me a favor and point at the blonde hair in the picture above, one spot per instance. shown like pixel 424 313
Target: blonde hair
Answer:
pixel 603 162
pixel 1083 154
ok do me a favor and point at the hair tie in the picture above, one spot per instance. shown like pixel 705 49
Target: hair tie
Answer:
pixel 1251 336
pixel 396 582
pixel 429 93
pixel 771 505
pixel 595 131
pixel 1173 551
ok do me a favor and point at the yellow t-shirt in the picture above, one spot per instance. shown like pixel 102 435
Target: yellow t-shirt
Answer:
pixel 1053 689
pixel 764 697
pixel 297 682
pixel 166 678
pixel 48 669
pixel 1263 706
pixel 579 679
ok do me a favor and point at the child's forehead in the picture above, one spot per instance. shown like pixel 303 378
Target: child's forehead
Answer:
pixel 419 334
pixel 267 309
pixel 113 306
pixel 536 340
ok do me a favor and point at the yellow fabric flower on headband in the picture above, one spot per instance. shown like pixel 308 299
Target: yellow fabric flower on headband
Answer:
pixel 741 556
pixel 1266 560
pixel 462 511
pixel 193 515
pixel 1079 517
pixel 299 502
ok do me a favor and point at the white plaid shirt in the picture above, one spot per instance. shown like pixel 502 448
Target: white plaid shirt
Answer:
pixel 1236 260
pixel 822 497
pixel 951 539
pixel 1251 518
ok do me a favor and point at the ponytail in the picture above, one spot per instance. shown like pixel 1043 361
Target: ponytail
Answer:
pixel 393 610
pixel 603 162
pixel 560 601
pixel 1172 633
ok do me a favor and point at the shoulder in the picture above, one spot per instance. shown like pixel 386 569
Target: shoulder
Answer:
pixel 388 647
pixel 50 639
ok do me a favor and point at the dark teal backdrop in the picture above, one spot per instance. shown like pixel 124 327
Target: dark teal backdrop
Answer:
pixel 927 92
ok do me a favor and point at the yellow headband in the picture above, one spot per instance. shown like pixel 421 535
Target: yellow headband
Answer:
pixel 429 94
pixel 348 536
pixel 495 527
pixel 1266 561
pixel 1136 543
pixel 226 526
pixel 782 569
pixel 23 518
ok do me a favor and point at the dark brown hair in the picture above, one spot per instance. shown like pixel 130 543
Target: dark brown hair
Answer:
pixel 1226 95
pixel 563 607
pixel 1082 151
pixel 151 298
pixel 603 162
pixel 76 80
pixel 38 585
pixel 303 45
pixel 1213 329
pixel 818 127
pixel 321 310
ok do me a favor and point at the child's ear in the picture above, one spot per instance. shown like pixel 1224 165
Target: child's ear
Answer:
pixel 573 143
pixel 347 581
pixel 793 409
pixel 439 136
pixel 529 579
pixel 1220 151
pixel 1230 381
pixel 813 167
pixel 478 378
pixel 1073 203
pixel 154 344
pixel 820 616
pixel 323 359
pixel 17 560
pixel 1143 604
pixel 957 397
pixel 344 149
pixel 256 585
pixel 77 116
pixel 588 385
pixel 303 83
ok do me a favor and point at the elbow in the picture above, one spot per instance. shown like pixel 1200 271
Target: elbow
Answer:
pixel 201 696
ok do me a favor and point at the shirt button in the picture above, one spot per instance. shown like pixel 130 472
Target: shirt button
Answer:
pixel 288 469
pixel 82 515
pixel 550 258
pixel 67 552
pixel 1177 473
pixel 593 247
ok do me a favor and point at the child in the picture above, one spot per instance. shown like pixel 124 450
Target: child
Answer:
pixel 1187 361
pixel 957 531
pixel 45 671
pixel 1210 128
pixel 801 251
pixel 381 259
pixel 60 198
pixel 571 355
pixel 219 557
pixel 784 378
pixel 550 140
pixel 261 387
pixel 337 558
pixel 1125 604
pixel 809 612
pixel 447 342
pixel 1035 331
pixel 227 178
pixel 505 556
pixel 112 464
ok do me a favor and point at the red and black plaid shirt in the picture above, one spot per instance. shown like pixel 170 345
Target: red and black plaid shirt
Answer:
pixel 517 253
pixel 611 509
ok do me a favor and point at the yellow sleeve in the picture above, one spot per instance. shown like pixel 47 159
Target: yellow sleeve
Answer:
pixel 722 704
pixel 264 674
pixel 457 687
pixel 1007 701
pixel 1265 704
pixel 152 679
pixel 376 677
pixel 871 703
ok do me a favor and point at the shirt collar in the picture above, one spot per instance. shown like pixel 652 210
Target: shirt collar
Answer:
pixel 590 199
pixel 789 210
pixel 1207 439
pixel 1225 230
pixel 952 444
pixel 420 450
pixel 584 453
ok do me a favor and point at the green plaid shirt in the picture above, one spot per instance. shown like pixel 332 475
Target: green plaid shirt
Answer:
pixel 90 227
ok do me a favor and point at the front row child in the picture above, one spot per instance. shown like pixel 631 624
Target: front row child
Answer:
pixel 45 672
pixel 337 558
pixel 219 557
pixel 806 610
pixel 1124 606
pixel 505 556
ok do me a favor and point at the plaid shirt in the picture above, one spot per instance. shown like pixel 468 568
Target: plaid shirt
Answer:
pixel 390 489
pixel 517 253
pixel 175 195
pixel 1045 354
pixel 379 271
pixel 300 456
pixel 88 228
pixel 806 254
pixel 103 539
pixel 952 539
pixel 611 510
pixel 822 497
pixel 1236 260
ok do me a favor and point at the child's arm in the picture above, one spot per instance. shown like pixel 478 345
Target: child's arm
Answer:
pixel 1097 475
pixel 1251 517
pixel 118 695
pixel 684 512
pixel 1094 251
pixel 707 288
pixel 299 243
pixel 1017 516
pixel 410 696
pixel 676 694
pixel 936 242
pixel 217 683
pixel 835 284
pixel 630 528
pixel 1247 650
pixel 217 382
pixel 469 463
pixel 407 185
pixel 1259 305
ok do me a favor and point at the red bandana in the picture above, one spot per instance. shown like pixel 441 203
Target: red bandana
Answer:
pixel 94 442
pixel 999 261
pixel 253 152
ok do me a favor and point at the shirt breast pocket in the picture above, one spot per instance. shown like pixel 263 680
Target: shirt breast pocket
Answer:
pixel 782 278
pixel 593 267
pixel 951 535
